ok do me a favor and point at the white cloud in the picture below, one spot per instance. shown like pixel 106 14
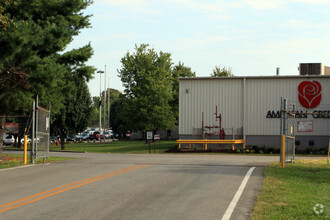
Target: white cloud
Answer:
pixel 264 4
pixel 325 2
pixel 131 5
pixel 215 10
pixel 308 27
pixel 124 3
pixel 199 40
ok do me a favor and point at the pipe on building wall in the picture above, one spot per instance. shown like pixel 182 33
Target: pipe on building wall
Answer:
pixel 244 107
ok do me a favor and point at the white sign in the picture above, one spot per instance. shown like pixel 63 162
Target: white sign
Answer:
pixel 47 123
pixel 305 126
pixel 149 135
pixel 156 137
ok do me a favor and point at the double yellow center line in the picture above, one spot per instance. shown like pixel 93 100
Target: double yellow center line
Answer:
pixel 58 190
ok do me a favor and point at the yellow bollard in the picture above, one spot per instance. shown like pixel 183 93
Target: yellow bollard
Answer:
pixel 283 151
pixel 232 147
pixel 25 149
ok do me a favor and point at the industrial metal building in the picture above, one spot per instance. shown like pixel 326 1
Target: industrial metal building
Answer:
pixel 250 108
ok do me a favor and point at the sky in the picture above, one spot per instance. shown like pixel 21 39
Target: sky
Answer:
pixel 252 37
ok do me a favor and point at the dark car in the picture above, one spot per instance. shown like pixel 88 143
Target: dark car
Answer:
pixel 70 139
pixel 52 140
pixel 85 136
pixel 114 136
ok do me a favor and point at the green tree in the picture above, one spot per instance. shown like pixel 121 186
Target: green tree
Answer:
pixel 75 114
pixel 120 115
pixel 73 118
pixel 32 60
pixel 147 78
pixel 95 117
pixel 219 71
pixel 4 19
pixel 178 71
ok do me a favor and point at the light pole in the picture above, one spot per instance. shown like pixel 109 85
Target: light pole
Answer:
pixel 105 94
pixel 100 103
pixel 109 104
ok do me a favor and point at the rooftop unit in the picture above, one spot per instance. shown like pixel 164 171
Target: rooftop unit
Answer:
pixel 313 69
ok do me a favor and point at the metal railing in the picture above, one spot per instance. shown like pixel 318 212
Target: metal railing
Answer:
pixel 206 141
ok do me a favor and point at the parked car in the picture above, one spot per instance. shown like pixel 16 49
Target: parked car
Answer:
pixel 107 134
pixel 52 140
pixel 78 137
pixel 69 139
pixel 9 140
pixel 85 136
pixel 96 135
pixel 28 140
pixel 114 136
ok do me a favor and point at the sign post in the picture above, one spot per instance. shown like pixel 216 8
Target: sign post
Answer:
pixel 149 137
pixel 157 137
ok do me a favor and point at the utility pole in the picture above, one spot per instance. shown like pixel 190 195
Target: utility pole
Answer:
pixel 100 103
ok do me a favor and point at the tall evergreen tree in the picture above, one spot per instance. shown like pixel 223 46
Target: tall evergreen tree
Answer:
pixel 32 60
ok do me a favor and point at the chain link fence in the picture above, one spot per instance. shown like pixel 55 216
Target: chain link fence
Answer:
pixel 42 133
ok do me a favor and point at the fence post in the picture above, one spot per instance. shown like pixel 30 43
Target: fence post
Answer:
pixel 33 130
pixel 283 151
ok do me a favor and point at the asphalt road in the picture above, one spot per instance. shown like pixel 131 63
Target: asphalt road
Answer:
pixel 128 186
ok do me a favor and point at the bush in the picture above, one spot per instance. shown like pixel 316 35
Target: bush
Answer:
pixel 309 150
pixel 255 148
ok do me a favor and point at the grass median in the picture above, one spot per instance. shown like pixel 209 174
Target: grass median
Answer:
pixel 133 147
pixel 299 191
pixel 11 160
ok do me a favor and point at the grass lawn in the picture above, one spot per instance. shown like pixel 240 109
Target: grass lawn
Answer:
pixel 294 191
pixel 10 160
pixel 135 147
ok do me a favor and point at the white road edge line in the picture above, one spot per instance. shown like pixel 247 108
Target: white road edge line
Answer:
pixel 238 194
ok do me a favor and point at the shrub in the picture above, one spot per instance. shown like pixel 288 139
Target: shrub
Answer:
pixel 309 150
pixel 255 148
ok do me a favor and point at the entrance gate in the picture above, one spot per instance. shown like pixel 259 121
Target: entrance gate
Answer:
pixel 42 133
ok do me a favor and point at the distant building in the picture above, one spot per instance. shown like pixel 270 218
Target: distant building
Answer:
pixel 250 107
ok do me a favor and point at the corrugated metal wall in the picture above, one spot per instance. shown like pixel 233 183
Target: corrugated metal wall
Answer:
pixel 262 94
pixel 203 96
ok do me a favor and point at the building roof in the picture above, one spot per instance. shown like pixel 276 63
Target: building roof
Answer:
pixel 256 77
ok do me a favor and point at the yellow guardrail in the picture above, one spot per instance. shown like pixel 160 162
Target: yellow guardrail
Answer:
pixel 206 141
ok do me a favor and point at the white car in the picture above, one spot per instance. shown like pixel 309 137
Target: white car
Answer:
pixel 28 140
pixel 9 140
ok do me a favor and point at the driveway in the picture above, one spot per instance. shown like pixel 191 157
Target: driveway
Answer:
pixel 134 186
